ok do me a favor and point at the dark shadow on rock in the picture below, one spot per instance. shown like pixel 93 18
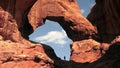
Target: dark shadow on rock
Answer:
pixel 110 60
pixel 50 52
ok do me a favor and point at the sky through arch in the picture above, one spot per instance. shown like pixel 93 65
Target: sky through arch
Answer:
pixel 51 33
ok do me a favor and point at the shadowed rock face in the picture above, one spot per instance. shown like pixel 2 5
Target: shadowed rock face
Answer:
pixel 19 10
pixel 105 15
pixel 19 18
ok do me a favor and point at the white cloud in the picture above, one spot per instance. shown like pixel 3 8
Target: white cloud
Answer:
pixel 82 11
pixel 57 37
pixel 92 5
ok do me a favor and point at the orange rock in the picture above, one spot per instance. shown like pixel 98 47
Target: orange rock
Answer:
pixel 85 51
pixel 21 56
pixel 19 18
pixel 66 13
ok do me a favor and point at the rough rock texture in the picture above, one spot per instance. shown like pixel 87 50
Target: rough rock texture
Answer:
pixel 15 51
pixel 9 29
pixel 109 59
pixel 85 51
pixel 66 13
pixel 55 10
pixel 105 15
pixel 16 55
pixel 19 10
pixel 94 56
pixel 91 47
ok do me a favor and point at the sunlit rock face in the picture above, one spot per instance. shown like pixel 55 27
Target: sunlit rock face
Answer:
pixel 17 52
pixel 85 51
pixel 95 43
pixel 66 13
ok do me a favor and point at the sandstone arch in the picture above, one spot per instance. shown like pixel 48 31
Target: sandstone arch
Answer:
pixel 16 52
pixel 66 13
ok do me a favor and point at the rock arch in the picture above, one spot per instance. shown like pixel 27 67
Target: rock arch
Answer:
pixel 13 47
pixel 66 13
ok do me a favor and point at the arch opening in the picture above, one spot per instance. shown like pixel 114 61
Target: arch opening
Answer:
pixel 53 35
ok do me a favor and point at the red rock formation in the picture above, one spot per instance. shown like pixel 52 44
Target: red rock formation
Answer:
pixel 9 29
pixel 76 26
pixel 19 10
pixel 19 18
pixel 16 55
pixel 105 15
pixel 85 51
pixel 17 52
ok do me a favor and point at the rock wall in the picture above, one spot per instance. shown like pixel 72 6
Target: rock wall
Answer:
pixel 19 10
pixel 16 55
pixel 17 52
pixel 106 17
pixel 66 13
pixel 95 43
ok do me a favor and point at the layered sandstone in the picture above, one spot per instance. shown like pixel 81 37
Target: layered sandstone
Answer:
pixel 16 55
pixel 95 43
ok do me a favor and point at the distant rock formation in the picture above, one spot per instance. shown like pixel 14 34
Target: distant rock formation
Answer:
pixel 96 40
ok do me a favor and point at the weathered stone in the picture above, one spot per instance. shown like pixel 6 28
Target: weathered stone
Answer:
pixel 85 51
pixel 61 11
pixel 76 26
pixel 8 27
pixel 21 56
pixel 105 15
pixel 19 10
pixel 19 18
pixel 17 52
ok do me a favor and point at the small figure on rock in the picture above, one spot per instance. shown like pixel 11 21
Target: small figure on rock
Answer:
pixel 64 58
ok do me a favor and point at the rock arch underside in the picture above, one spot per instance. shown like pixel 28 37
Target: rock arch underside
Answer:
pixel 96 39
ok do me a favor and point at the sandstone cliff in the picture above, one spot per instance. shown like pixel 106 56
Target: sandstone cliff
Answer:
pixel 96 40
pixel 105 15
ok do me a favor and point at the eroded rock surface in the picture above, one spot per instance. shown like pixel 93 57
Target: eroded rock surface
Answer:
pixel 105 15
pixel 16 55
pixel 91 47
pixel 66 13
pixel 17 52
pixel 85 51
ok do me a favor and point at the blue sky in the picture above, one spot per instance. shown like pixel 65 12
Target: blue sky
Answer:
pixel 52 34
